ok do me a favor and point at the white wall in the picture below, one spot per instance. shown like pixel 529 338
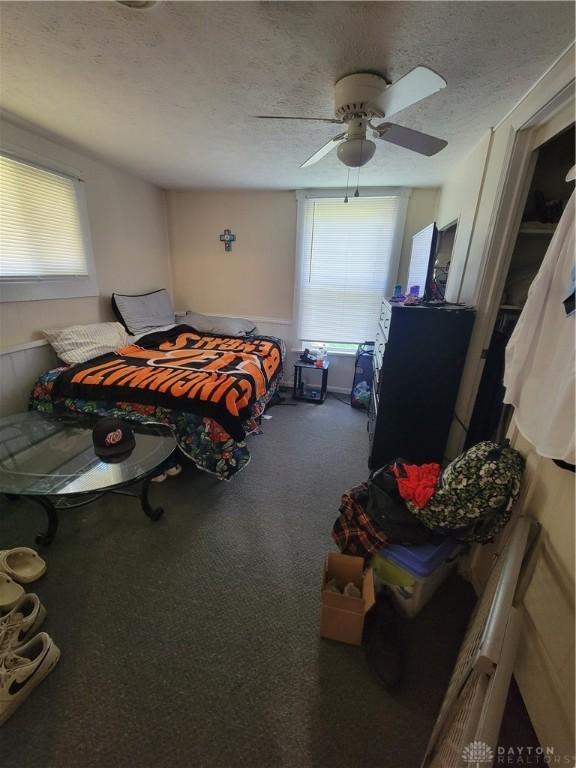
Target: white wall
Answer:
pixel 545 665
pixel 256 277
pixel 129 237
pixel 458 203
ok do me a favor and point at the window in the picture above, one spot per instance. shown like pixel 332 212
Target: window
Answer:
pixel 44 243
pixel 348 258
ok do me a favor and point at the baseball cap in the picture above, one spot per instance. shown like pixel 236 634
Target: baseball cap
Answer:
pixel 113 439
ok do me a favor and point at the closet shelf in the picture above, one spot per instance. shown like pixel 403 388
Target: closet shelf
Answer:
pixel 529 228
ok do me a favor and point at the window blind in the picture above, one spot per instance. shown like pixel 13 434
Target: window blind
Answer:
pixel 40 227
pixel 346 258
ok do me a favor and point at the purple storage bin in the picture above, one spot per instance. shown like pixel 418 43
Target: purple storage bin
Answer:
pixel 420 560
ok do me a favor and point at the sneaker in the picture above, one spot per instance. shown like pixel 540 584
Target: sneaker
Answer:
pixel 22 669
pixel 159 478
pixel 175 470
pixel 22 622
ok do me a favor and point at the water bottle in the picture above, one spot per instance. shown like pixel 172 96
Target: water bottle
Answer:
pixel 322 356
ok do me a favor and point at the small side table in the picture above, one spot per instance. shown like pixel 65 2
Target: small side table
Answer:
pixel 312 394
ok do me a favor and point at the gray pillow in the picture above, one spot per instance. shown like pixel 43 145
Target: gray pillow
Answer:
pixel 144 312
pixel 233 326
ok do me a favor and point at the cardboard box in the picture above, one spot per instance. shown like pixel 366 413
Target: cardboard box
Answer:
pixel 342 617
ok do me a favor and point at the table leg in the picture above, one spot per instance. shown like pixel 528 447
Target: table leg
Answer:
pixel 47 538
pixel 147 508
pixel 324 385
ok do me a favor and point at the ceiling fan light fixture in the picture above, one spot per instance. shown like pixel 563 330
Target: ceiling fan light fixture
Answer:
pixel 356 152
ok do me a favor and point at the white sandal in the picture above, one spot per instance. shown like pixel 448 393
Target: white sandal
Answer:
pixel 22 669
pixel 22 622
pixel 170 472
pixel 22 564
pixel 10 592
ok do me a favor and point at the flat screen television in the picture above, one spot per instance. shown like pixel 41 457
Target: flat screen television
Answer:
pixel 422 258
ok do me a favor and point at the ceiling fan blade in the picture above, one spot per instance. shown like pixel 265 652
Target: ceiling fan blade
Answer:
pixel 324 150
pixel 285 117
pixel 410 139
pixel 416 85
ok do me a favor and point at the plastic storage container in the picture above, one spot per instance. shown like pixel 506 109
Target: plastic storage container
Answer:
pixel 413 574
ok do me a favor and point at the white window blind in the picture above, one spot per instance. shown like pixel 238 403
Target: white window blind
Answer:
pixel 40 225
pixel 348 259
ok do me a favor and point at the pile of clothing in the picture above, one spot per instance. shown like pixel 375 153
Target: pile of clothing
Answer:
pixel 413 504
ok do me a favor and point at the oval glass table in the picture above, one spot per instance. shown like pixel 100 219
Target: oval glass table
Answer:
pixel 51 460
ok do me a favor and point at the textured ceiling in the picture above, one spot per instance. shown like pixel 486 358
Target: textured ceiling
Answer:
pixel 169 93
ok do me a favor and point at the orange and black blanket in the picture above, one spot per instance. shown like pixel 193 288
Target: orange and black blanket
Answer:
pixel 213 375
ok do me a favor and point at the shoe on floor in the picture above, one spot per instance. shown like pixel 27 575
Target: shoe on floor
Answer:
pixel 22 669
pixel 10 592
pixel 170 472
pixel 22 564
pixel 22 622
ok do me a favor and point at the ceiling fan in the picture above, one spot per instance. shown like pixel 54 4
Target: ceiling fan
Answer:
pixel 364 97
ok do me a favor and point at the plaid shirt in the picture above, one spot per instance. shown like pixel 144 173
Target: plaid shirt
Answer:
pixel 354 532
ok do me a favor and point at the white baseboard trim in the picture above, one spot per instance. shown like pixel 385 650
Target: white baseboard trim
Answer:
pixel 339 390
pixel 333 353
pixel 23 347
pixel 336 390
pixel 273 320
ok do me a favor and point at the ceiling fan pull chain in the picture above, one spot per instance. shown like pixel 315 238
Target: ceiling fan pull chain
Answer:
pixel 357 192
pixel 347 180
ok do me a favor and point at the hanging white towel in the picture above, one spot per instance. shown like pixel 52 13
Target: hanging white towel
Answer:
pixel 539 373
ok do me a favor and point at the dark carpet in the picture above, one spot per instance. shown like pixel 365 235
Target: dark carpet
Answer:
pixel 194 641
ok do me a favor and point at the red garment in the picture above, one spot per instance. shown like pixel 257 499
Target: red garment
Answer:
pixel 416 483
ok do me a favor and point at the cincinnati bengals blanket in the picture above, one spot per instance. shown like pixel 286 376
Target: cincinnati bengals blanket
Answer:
pixel 214 375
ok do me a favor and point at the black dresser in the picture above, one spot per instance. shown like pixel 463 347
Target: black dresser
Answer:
pixel 418 360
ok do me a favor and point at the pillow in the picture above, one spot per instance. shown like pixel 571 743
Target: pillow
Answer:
pixel 233 326
pixel 79 343
pixel 144 312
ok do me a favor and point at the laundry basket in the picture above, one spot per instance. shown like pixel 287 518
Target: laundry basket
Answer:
pixel 363 375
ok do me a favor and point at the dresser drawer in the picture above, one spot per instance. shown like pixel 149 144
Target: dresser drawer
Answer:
pixel 372 414
pixel 385 318
pixel 379 347
pixel 384 326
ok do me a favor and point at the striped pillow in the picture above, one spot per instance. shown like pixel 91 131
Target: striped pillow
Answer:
pixel 79 343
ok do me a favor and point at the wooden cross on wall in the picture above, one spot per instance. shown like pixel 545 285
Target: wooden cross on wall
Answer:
pixel 227 238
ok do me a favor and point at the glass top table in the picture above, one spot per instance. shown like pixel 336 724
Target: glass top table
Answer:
pixel 51 459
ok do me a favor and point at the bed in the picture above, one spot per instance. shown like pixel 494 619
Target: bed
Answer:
pixel 209 388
